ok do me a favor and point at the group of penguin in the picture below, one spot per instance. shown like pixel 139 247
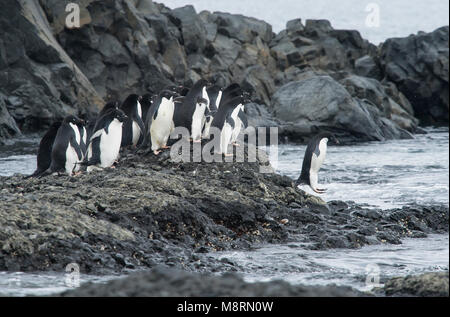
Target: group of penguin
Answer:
pixel 147 121
pixel 74 145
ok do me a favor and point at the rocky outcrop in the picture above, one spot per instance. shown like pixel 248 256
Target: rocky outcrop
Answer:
pixel 39 83
pixel 139 46
pixel 425 285
pixel 155 210
pixel 418 65
pixel 164 282
pixel 320 103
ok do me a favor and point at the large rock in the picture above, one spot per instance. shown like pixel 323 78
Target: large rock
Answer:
pixel 320 102
pixel 164 282
pixel 119 50
pixel 40 81
pixel 419 66
pixel 8 126
pixel 425 285
pixel 193 29
pixel 320 46
pixel 372 90
pixel 242 28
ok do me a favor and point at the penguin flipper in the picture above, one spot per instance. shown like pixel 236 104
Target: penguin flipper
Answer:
pixel 243 118
pixel 317 149
pixel 76 147
pixel 231 122
pixel 141 125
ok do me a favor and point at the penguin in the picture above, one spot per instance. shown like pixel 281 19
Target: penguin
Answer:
pixel 133 127
pixel 224 121
pixel 240 119
pixel 83 138
pixel 66 150
pixel 191 114
pixel 104 145
pixel 44 155
pixel 107 107
pixel 315 154
pixel 91 123
pixel 159 122
pixel 215 96
pixel 146 104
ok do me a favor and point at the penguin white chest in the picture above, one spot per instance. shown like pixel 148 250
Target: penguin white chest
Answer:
pixel 136 130
pixel 237 123
pixel 77 132
pixel 162 126
pixel 71 160
pixel 198 121
pixel 317 160
pixel 110 143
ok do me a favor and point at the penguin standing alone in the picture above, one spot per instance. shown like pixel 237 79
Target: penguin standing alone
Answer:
pixel 315 154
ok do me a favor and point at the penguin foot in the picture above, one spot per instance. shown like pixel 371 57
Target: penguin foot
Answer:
pixel 236 144
pixel 197 141
pixel 228 155
pixel 156 152
pixel 320 191
pixel 165 147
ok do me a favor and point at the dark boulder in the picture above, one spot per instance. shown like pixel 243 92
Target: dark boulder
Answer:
pixel 418 65
pixel 425 285
pixel 242 28
pixel 39 80
pixel 320 102
pixel 192 29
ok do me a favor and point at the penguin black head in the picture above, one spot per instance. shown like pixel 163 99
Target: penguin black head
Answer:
pixel 119 115
pixel 74 120
pixel 327 135
pixel 110 105
pixel 166 94
pixel 130 101
pixel 202 83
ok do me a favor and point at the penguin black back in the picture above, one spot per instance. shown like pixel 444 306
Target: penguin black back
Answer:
pixel 183 114
pixel 132 108
pixel 313 147
pixel 44 156
pixel 225 109
pixel 66 137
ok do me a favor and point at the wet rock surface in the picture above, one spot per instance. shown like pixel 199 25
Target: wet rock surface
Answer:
pixel 151 210
pixel 426 285
pixel 163 282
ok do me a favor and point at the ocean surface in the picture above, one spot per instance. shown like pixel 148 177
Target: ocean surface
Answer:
pixel 386 174
pixel 381 174
pixel 377 20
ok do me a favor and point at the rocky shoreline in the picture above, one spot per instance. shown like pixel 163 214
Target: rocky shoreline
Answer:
pixel 367 93
pixel 152 211
pixel 165 282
